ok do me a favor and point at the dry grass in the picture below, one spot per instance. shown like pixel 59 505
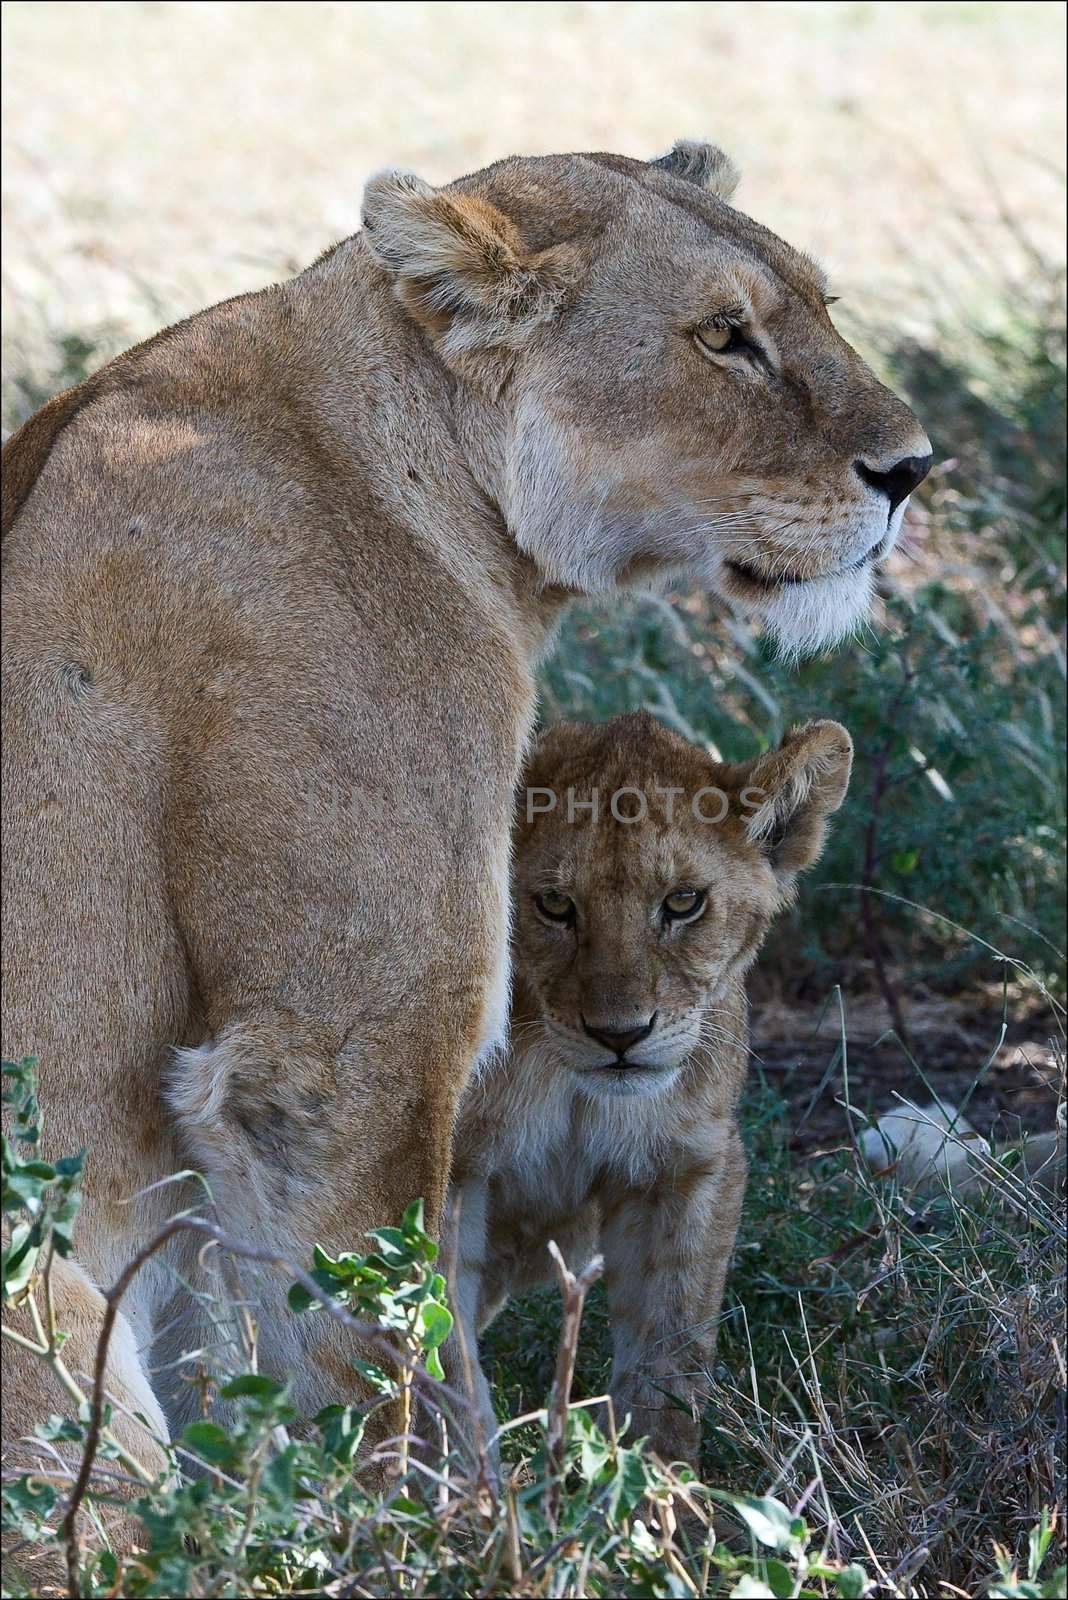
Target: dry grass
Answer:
pixel 918 1394
pixel 891 1362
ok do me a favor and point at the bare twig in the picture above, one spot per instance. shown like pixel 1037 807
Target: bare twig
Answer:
pixel 574 1291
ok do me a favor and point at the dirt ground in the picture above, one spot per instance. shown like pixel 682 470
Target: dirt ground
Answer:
pixel 951 1043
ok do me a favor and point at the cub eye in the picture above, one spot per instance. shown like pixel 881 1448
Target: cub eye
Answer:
pixel 721 340
pixel 555 906
pixel 682 905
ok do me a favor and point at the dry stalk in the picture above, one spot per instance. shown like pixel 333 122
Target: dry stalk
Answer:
pixel 574 1291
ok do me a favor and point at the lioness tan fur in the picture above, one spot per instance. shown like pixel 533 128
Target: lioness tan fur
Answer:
pixel 646 875
pixel 275 583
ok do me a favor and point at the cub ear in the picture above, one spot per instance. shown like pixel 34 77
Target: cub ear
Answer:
pixel 458 263
pixel 706 165
pixel 795 789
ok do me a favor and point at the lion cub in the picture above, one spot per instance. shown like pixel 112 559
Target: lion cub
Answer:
pixel 646 875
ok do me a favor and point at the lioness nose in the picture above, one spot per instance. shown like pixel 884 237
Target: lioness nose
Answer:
pixel 896 482
pixel 621 1039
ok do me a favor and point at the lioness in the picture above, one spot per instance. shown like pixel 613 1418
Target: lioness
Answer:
pixel 646 875
pixel 275 583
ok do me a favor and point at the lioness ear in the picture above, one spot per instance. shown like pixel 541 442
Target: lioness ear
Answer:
pixel 795 789
pixel 458 263
pixel 703 164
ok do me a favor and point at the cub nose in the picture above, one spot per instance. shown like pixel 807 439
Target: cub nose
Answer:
pixel 898 481
pixel 621 1039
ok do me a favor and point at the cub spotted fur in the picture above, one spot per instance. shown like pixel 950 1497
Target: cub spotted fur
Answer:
pixel 646 875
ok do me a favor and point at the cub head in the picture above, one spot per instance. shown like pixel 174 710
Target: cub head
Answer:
pixel 646 875
pixel 649 385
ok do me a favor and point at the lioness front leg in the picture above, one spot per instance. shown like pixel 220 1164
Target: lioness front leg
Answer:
pixel 666 1252
pixel 305 1139
pixel 32 1392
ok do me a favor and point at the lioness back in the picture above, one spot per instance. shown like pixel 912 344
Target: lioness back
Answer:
pixel 646 876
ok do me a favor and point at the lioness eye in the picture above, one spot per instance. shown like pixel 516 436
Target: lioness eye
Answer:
pixel 681 904
pixel 725 340
pixel 554 905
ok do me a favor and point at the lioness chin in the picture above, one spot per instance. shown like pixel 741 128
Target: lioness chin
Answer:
pixel 646 875
pixel 275 584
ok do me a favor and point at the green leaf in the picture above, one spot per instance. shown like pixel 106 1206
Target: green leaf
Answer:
pixel 21 1185
pixel 852 1582
pixel 432 1362
pixel 404 1502
pixel 60 1428
pixel 437 1324
pixel 392 1245
pixel 767 1519
pixel 412 1224
pixel 20 1258
pixel 594 1450
pixel 107 1567
pixel 380 1381
pixel 38 1169
pixel 1038 1543
pixel 27 1500
pixel 299 1299
pixel 779 1577
pixel 279 1478
pixel 85 1413
pixel 70 1166
pixel 62 1221
pixel 627 1481
pixel 342 1429
pixel 22 1094
pixel 211 1443
pixel 253 1384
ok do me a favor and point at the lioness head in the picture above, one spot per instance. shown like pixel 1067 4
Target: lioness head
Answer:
pixel 646 875
pixel 650 386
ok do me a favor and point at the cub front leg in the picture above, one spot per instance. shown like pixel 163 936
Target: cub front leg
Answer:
pixel 666 1251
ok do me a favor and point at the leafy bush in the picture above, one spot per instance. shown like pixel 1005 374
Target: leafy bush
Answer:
pixel 861 1432
pixel 269 1513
